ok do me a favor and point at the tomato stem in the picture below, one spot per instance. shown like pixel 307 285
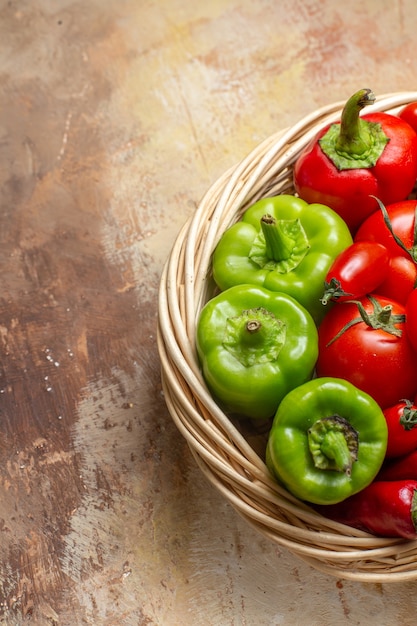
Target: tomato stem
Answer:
pixel 408 417
pixel 381 318
pixel 333 290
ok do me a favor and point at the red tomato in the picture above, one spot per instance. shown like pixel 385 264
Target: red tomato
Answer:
pixel 411 318
pixel 409 114
pixel 379 363
pixel 356 271
pixel 402 218
pixel 400 279
pixel 402 428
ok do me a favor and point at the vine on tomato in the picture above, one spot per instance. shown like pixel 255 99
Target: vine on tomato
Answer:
pixel 393 227
pixel 364 342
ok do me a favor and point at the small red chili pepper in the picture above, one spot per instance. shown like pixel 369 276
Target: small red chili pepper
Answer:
pixel 350 162
pixel 402 428
pixel 402 468
pixel 384 508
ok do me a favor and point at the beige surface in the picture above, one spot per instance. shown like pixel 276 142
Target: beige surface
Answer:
pixel 115 117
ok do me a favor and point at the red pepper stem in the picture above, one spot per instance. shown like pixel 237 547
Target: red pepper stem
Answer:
pixel 354 137
pixel 278 245
pixel 354 142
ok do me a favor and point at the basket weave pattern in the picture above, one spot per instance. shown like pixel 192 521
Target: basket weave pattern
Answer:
pixel 226 455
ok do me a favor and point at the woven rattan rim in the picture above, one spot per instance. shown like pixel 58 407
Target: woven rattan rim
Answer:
pixel 226 455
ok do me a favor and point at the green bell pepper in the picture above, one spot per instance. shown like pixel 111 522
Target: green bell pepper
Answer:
pixel 327 441
pixel 254 346
pixel 284 244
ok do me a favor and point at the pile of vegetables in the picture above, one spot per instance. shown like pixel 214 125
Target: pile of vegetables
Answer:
pixel 314 324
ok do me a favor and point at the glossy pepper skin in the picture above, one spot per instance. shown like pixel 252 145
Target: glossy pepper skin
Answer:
pixel 254 346
pixel 365 341
pixel 356 271
pixel 327 441
pixel 282 244
pixel 402 428
pixel 387 509
pixel 359 157
pixel 394 226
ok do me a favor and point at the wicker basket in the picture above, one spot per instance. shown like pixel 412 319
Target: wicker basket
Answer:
pixel 230 457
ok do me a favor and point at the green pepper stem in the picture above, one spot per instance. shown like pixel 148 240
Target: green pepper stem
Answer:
pixel 278 245
pixel 354 137
pixel 253 326
pixel 254 336
pixel 333 444
pixel 334 447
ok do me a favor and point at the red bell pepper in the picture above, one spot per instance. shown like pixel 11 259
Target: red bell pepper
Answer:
pixel 385 508
pixel 359 157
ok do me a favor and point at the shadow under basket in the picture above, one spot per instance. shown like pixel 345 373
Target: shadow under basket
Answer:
pixel 231 455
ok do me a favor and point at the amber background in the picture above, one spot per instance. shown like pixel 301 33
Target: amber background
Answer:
pixel 115 117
